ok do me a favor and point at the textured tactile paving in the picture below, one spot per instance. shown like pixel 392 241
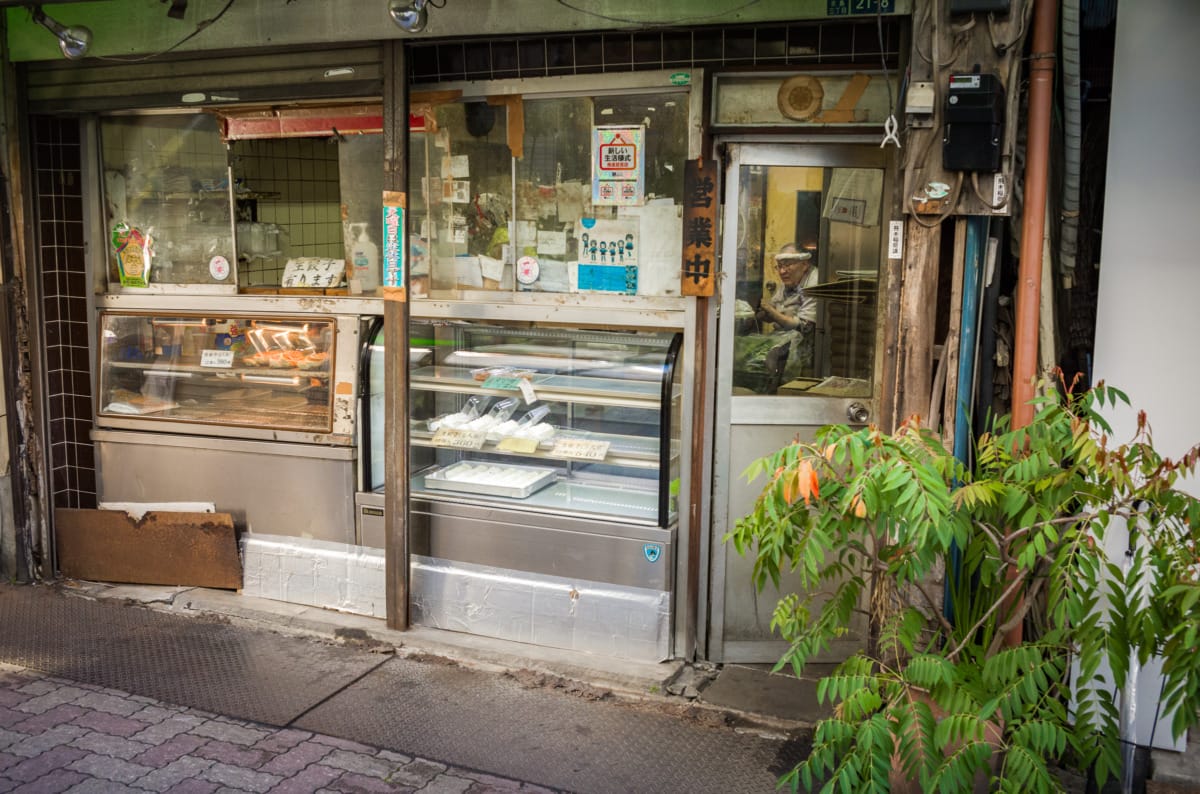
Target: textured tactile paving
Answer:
pixel 546 736
pixel 195 662
pixel 494 724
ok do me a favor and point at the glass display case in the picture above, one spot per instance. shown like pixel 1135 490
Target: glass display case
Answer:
pixel 574 423
pixel 266 376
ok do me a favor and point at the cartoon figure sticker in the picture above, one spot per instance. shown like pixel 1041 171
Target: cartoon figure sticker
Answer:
pixel 652 551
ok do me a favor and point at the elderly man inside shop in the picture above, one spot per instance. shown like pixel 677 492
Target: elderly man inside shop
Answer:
pixel 793 313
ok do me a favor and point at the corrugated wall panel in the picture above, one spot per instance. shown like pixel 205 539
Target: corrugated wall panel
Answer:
pixel 62 86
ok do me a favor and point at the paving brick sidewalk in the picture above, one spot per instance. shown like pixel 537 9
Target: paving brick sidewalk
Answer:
pixel 61 736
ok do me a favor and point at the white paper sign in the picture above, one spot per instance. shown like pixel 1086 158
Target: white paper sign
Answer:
pixel 216 358
pixel 460 166
pixel 312 271
pixel 527 392
pixel 491 268
pixel 895 239
pixel 551 243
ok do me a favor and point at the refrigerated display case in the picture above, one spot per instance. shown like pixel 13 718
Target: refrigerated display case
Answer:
pixel 544 460
pixel 254 413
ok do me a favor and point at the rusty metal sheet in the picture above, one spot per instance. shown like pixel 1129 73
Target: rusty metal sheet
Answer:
pixel 162 547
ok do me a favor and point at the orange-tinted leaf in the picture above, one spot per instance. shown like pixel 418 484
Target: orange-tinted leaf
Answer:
pixel 805 477
pixel 857 506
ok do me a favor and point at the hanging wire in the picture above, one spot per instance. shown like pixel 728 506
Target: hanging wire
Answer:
pixel 200 26
pixel 891 126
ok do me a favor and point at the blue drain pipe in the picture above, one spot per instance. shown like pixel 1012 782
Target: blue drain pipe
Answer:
pixel 973 265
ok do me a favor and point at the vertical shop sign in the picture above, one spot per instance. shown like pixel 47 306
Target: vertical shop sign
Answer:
pixel 618 166
pixel 699 228
pixel 393 241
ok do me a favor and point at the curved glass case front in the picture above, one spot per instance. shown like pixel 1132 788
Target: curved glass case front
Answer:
pixel 250 372
pixel 569 422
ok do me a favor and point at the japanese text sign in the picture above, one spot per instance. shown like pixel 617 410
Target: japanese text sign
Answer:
pixel 618 166
pixel 699 228
pixel 393 241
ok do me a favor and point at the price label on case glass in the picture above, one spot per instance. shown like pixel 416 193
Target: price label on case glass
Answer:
pixel 458 438
pixel 580 449
pixel 503 383
pixel 216 358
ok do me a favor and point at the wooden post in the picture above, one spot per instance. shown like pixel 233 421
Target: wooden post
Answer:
pixel 395 334
pixel 918 316
pixel 950 347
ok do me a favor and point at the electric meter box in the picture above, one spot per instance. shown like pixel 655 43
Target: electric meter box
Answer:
pixel 972 6
pixel 973 123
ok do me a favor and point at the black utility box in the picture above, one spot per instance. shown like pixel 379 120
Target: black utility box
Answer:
pixel 973 123
pixel 971 6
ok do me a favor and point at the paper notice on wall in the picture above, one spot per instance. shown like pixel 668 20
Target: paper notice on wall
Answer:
pixel 573 200
pixel 608 242
pixel 458 229
pixel 526 235
pixel 312 271
pixel 854 196
pixel 553 276
pixel 660 225
pixel 618 166
pixel 460 166
pixel 552 243
pixel 491 268
pixel 618 279
pixel 467 272
pixel 460 191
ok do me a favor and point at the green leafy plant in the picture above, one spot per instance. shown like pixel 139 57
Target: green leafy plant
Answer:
pixel 998 677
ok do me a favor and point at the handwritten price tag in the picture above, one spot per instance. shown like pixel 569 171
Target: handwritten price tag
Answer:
pixel 216 358
pixel 579 449
pixel 457 438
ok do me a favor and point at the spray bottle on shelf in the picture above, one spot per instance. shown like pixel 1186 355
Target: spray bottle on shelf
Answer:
pixel 365 259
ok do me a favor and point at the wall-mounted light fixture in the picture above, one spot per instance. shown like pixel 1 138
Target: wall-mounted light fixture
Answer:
pixel 73 41
pixel 410 16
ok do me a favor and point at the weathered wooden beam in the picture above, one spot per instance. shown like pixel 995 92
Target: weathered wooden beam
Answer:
pixel 918 317
pixel 395 335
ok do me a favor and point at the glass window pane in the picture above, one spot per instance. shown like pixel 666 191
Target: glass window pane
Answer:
pixel 288 199
pixel 166 180
pixel 461 189
pixel 554 197
pixel 808 258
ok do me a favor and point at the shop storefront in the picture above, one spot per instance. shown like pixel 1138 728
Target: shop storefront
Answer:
pixel 579 406
pixel 552 354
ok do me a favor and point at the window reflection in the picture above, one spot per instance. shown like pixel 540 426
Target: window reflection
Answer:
pixel 808 254
pixel 484 219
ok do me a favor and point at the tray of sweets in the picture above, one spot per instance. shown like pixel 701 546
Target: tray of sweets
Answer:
pixel 514 482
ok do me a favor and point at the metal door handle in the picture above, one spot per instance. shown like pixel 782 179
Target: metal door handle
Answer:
pixel 857 413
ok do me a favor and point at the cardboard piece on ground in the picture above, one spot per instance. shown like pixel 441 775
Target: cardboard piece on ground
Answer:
pixel 164 548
